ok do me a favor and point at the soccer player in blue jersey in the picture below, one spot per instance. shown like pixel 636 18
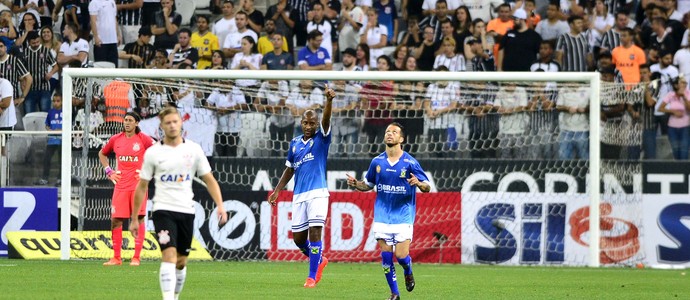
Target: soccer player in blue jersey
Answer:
pixel 306 160
pixel 396 175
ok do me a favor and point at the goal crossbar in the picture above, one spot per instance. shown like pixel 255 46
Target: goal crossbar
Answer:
pixel 592 78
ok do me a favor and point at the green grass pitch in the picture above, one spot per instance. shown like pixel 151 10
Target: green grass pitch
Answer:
pixel 283 280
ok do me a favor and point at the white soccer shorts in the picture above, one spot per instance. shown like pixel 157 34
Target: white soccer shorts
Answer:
pixel 393 233
pixel 309 213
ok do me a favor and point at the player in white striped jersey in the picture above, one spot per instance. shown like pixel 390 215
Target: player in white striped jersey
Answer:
pixel 174 162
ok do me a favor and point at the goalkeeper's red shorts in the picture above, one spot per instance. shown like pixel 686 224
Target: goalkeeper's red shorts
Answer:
pixel 123 201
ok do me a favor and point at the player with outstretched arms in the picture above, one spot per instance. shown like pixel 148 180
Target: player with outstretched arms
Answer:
pixel 129 147
pixel 173 162
pixel 306 160
pixel 396 176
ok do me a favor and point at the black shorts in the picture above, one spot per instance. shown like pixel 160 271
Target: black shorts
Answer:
pixel 174 229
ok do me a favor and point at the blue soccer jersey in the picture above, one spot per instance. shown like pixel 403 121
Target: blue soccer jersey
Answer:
pixel 395 198
pixel 308 159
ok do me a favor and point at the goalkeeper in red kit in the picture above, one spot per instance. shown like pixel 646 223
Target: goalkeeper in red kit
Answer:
pixel 129 147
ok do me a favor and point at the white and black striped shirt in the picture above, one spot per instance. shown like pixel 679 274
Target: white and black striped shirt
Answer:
pixel 611 40
pixel 128 17
pixel 13 69
pixel 433 22
pixel 575 50
pixel 39 62
pixel 454 64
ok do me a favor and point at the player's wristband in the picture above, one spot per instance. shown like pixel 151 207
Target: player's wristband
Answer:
pixel 109 170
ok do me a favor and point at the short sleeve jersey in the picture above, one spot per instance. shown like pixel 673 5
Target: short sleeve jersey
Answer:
pixel 308 159
pixel 173 168
pixel 395 197
pixel 129 153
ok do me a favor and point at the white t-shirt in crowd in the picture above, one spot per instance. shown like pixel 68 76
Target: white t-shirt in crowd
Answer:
pixel 8 117
pixel 106 13
pixel 373 38
pixel 223 27
pixel 514 123
pixel 573 97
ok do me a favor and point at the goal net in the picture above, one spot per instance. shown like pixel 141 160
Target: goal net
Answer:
pixel 512 158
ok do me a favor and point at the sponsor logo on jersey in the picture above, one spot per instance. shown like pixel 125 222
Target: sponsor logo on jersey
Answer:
pixel 306 158
pixel 391 189
pixel 175 177
pixel 128 158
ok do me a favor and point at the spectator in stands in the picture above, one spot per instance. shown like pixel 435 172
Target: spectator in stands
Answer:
pixel 14 70
pixel 233 41
pixel 318 22
pixel 248 59
pixel 362 56
pixel 482 119
pixel 454 62
pixel 519 47
pixel 434 20
pixel 265 45
pixel 478 30
pixel 667 72
pixel 628 58
pixel 277 59
pixel 660 38
pixel 644 113
pixel 511 104
pixel 8 117
pixel 483 60
pixel 409 107
pixel 572 48
pixel 682 60
pixel 34 7
pixel 439 105
pixel 53 123
pixel 675 104
pixel 483 9
pixel 285 17
pixel 8 32
pixel 148 11
pixel 611 38
pixel 399 58
pixel 447 30
pixel 217 61
pixel 303 7
pixel 70 14
pixel 160 60
pixel 183 52
pixel 353 18
pixel 301 98
pixel 49 40
pixel 105 31
pixel 413 36
pixel 543 120
pixel 350 60
pixel 377 102
pixel 95 116
pixel 388 17
pixel 228 109
pixel 613 108
pixel 601 19
pixel 204 41
pixel 671 11
pixel 346 118
pixel 140 52
pixel 271 99
pixel 571 8
pixel 313 56
pixel 28 24
pixel 129 16
pixel 165 26
pixel 42 66
pixel 545 62
pixel 462 23
pixel 499 26
pixel 533 18
pixel 255 18
pixel 375 36
pixel 573 139
pixel 227 24
pixel 552 27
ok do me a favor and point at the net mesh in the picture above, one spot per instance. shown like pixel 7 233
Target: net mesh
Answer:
pixel 508 163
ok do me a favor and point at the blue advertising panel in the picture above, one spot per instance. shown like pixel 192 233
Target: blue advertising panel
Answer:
pixel 27 209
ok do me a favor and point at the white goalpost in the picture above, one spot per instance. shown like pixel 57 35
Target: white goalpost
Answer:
pixel 591 80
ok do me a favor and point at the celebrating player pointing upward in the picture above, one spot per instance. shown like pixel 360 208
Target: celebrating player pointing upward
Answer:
pixel 396 174
pixel 306 160
pixel 129 147
pixel 174 162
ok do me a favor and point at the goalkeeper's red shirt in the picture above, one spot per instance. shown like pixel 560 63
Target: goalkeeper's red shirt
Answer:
pixel 129 153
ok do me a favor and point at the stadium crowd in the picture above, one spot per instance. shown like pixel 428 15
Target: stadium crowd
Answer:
pixel 641 45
